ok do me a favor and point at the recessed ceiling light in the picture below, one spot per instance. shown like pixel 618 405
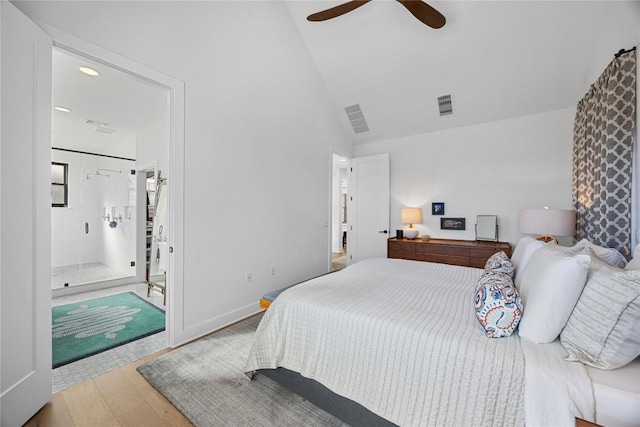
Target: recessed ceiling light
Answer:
pixel 61 108
pixel 89 71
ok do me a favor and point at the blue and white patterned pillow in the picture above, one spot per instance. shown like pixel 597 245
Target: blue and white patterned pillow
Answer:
pixel 498 305
pixel 500 262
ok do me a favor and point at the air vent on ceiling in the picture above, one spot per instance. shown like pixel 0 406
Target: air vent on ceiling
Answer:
pixel 357 118
pixel 100 126
pixel 445 105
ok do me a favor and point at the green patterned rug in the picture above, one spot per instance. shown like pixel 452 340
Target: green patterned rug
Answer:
pixel 90 327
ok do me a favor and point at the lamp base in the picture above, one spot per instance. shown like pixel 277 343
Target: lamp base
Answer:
pixel 546 238
pixel 411 233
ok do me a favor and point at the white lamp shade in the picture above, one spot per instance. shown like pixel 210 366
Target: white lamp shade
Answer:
pixel 411 215
pixel 555 222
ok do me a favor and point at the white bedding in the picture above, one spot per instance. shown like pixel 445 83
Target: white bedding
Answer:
pixel 401 338
pixel 617 395
pixel 556 391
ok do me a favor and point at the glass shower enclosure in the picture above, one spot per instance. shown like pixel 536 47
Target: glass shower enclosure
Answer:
pixel 94 237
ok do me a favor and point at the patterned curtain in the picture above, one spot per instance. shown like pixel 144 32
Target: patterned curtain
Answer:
pixel 603 156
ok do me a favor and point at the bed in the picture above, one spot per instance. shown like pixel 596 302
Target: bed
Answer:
pixel 401 339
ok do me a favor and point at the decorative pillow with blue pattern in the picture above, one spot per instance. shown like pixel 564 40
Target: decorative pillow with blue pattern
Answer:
pixel 500 262
pixel 498 305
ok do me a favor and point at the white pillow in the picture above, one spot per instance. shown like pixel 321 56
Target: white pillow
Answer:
pixel 634 264
pixel 571 250
pixel 604 328
pixel 608 255
pixel 521 255
pixel 550 288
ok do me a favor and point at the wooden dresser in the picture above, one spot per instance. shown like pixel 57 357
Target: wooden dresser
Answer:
pixel 469 253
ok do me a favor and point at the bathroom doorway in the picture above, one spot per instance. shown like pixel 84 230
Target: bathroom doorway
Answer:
pixel 106 123
pixel 104 120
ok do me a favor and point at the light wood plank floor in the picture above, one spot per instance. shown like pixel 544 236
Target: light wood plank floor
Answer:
pixel 121 397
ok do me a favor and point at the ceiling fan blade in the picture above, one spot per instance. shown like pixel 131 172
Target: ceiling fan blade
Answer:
pixel 337 11
pixel 425 13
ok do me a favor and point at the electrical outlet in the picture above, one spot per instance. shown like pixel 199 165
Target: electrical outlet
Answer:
pixel 249 277
pixel 272 270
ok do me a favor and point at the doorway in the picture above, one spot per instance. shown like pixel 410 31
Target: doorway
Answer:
pixel 27 116
pixel 101 121
pixel 339 214
pixel 106 122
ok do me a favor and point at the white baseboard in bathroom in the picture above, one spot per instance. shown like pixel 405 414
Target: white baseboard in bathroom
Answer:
pixel 86 287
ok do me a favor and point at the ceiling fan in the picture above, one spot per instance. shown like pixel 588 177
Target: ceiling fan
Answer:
pixel 422 11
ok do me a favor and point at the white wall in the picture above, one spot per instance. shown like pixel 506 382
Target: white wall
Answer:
pixel 258 127
pixel 153 146
pixel 125 148
pixel 493 168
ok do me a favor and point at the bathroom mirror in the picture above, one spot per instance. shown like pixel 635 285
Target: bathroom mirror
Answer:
pixel 487 228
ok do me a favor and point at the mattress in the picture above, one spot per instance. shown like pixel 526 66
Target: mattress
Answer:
pixel 617 395
pixel 400 338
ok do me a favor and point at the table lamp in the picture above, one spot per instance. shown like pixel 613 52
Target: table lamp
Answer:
pixel 548 223
pixel 411 216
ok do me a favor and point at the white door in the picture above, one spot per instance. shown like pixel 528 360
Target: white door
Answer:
pixel 368 208
pixel 25 217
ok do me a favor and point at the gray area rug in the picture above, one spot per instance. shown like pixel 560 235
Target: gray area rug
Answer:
pixel 205 380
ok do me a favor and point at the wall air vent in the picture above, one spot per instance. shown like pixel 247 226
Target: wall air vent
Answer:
pixel 444 105
pixel 100 126
pixel 357 118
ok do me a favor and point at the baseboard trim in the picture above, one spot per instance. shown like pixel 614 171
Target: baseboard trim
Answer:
pixel 86 287
pixel 209 326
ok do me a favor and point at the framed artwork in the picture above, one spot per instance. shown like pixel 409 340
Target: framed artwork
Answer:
pixel 437 208
pixel 452 223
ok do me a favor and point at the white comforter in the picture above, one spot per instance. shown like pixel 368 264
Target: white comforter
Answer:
pixel 400 338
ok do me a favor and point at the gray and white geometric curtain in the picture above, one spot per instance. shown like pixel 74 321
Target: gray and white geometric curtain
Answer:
pixel 603 156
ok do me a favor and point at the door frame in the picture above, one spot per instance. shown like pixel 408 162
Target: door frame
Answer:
pixel 354 204
pixel 340 152
pixel 141 211
pixel 176 107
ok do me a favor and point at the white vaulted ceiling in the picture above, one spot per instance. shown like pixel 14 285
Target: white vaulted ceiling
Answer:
pixel 498 59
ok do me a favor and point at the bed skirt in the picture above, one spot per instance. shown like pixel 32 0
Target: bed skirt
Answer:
pixel 345 409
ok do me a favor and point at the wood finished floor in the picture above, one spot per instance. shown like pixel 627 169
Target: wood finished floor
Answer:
pixel 121 397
